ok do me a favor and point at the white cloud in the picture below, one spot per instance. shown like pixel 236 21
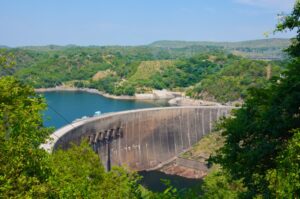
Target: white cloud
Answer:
pixel 284 5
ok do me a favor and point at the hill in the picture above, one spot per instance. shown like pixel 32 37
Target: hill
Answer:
pixel 234 79
pixel 269 49
pixel 263 49
pixel 277 43
pixel 148 68
pixel 208 72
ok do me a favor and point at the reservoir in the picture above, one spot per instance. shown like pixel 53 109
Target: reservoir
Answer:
pixel 66 106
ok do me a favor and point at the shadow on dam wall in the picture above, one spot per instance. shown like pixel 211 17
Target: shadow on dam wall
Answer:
pixel 141 139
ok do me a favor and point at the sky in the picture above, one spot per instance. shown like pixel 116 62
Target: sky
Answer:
pixel 136 22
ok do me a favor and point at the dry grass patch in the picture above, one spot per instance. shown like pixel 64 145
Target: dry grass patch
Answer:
pixel 102 74
pixel 148 68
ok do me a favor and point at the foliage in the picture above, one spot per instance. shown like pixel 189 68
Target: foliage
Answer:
pixel 190 71
pixel 291 22
pixel 106 84
pixel 219 184
pixel 177 74
pixel 284 181
pixel 259 131
pixel 6 63
pixel 171 192
pixel 78 173
pixel 52 66
pixel 148 68
pixel 119 183
pixel 23 171
pixel 125 89
pixel 234 79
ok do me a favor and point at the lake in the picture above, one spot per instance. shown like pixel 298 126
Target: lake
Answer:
pixel 65 107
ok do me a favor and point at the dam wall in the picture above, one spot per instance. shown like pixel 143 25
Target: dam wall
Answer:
pixel 141 139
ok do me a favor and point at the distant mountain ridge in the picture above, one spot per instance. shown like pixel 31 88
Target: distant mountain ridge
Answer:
pixel 274 42
pixel 262 49
pixel 3 46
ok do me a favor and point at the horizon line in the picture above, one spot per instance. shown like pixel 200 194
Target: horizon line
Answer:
pixel 140 45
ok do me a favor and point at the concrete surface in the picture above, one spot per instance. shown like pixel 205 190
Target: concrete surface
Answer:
pixel 141 139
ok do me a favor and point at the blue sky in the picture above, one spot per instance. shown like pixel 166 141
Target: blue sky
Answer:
pixel 135 22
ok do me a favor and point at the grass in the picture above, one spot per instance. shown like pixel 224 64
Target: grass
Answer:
pixel 102 74
pixel 148 68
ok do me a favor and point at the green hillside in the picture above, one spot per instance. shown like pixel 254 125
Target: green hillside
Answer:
pixel 148 68
pixel 207 72
pixel 233 80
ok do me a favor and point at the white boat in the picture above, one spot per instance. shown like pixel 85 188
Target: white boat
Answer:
pixel 97 113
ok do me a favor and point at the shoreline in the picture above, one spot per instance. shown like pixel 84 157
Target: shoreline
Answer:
pixel 155 95
pixel 173 98
pixel 88 90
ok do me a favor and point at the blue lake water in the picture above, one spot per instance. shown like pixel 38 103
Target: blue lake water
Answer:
pixel 65 107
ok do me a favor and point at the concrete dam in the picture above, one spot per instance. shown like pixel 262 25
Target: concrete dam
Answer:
pixel 141 139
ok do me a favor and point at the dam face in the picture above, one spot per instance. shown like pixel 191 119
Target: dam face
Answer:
pixel 141 139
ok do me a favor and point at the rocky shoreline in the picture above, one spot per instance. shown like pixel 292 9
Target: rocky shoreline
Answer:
pixel 174 98
pixel 155 95
pixel 88 90
pixel 187 168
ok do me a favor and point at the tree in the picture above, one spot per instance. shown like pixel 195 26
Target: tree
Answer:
pixel 219 184
pixel 292 22
pixel 263 127
pixel 284 180
pixel 78 173
pixel 6 63
pixel 22 169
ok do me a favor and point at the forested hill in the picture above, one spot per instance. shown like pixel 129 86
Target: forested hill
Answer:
pixel 254 49
pixel 263 49
pixel 207 72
